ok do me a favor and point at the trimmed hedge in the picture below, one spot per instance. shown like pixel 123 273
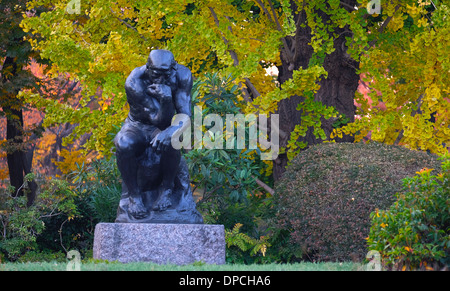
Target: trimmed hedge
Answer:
pixel 328 192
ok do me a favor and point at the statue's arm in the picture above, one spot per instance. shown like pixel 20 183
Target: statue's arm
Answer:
pixel 137 96
pixel 183 95
pixel 134 86
pixel 182 102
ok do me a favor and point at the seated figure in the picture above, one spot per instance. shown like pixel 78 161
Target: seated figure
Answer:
pixel 156 185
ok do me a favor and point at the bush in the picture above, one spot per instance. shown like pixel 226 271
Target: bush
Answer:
pixel 100 184
pixel 223 174
pixel 414 233
pixel 225 177
pixel 240 241
pixel 21 226
pixel 328 192
pixel 97 187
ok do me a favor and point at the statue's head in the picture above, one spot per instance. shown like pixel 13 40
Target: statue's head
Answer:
pixel 160 65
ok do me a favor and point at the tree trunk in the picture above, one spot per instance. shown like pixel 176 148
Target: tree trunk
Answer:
pixel 19 156
pixel 337 90
pixel 15 156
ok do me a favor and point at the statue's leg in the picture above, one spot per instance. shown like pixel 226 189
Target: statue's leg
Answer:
pixel 170 161
pixel 129 145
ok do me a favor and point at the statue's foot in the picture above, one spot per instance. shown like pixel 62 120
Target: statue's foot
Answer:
pixel 136 208
pixel 163 201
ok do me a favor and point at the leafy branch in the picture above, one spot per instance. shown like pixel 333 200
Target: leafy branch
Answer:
pixel 244 242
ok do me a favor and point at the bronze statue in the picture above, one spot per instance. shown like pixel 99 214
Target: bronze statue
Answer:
pixel 156 186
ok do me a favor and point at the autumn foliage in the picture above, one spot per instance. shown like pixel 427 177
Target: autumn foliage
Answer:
pixel 402 53
pixel 50 157
pixel 63 72
pixel 406 81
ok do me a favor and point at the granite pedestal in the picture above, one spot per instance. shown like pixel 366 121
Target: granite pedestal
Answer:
pixel 178 244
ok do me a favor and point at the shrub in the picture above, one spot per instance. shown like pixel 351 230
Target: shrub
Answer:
pixel 21 226
pixel 100 184
pixel 414 233
pixel 244 243
pixel 328 192
pixel 97 188
pixel 225 178
pixel 223 174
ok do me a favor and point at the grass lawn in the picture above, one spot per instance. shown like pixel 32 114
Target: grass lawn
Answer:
pixel 115 266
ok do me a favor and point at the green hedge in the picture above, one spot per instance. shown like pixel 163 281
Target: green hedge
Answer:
pixel 328 192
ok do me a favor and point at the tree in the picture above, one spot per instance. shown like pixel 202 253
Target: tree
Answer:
pixel 16 54
pixel 23 71
pixel 319 39
pixel 319 47
pixel 50 156
pixel 407 74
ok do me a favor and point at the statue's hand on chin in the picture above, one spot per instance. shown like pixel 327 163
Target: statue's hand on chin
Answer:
pixel 161 91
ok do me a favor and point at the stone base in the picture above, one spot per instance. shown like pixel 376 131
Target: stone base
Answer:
pixel 178 244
